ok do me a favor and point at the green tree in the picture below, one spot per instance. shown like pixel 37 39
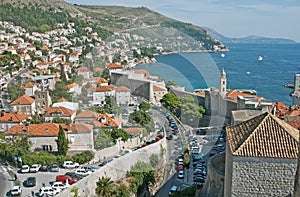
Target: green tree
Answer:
pixel 104 187
pixel 171 101
pixel 119 133
pixel 15 91
pixel 144 106
pixel 62 142
pixel 61 121
pixel 143 119
pixel 103 140
pixel 122 191
pixel 143 175
pixel 191 112
pixel 111 106
pixel 36 119
pixel 61 91
pixel 170 83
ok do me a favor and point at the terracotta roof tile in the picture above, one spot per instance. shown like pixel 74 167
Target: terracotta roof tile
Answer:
pixel 30 84
pixel 87 114
pixel 122 89
pixel 23 100
pixel 81 128
pixel 102 80
pixel 13 117
pixel 158 89
pixel 145 72
pixel 45 129
pixel 113 66
pixel 100 89
pixel 233 94
pixel 263 136
pixel 106 120
pixel 62 100
pixel 72 85
pixel 64 111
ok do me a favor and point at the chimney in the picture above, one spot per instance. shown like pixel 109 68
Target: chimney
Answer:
pixel 47 129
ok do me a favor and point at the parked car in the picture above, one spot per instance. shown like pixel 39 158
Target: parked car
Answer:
pixel 25 168
pixel 180 161
pixel 199 179
pixel 47 191
pixel 64 178
pixel 173 189
pixel 16 191
pixel 44 168
pixel 180 174
pixel 35 168
pixel 82 172
pixel 30 182
pixel 70 164
pixel 54 168
pixel 59 186
pixel 74 175
pixel 89 168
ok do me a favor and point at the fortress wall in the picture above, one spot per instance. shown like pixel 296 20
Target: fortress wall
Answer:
pixel 116 169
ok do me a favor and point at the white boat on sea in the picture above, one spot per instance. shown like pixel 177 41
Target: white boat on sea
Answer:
pixel 222 55
pixel 260 58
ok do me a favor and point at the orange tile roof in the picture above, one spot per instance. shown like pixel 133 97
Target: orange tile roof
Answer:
pixel 45 129
pixel 30 84
pixel 281 109
pixel 64 111
pixel 23 100
pixel 13 117
pixel 100 89
pixel 113 66
pixel 293 111
pixel 87 114
pixel 98 69
pixel 122 89
pixel 200 93
pixel 72 85
pixel 81 128
pixel 263 136
pixel 145 72
pixel 158 89
pixel 62 100
pixel 134 130
pixel 102 80
pixel 105 120
pixel 233 94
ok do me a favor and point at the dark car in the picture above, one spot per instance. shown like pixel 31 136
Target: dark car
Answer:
pixel 54 168
pixel 73 175
pixel 44 168
pixel 30 182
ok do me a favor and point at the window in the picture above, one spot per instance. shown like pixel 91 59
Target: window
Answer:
pixel 223 82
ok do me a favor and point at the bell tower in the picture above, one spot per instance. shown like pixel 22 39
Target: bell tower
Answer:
pixel 223 83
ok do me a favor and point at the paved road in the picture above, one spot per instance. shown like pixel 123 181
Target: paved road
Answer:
pixel 6 180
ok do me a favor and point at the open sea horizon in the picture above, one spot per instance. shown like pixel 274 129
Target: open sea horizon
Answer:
pixel 199 70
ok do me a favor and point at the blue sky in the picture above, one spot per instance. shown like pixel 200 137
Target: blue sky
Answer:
pixel 232 18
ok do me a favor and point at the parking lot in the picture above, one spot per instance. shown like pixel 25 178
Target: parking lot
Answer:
pixel 42 179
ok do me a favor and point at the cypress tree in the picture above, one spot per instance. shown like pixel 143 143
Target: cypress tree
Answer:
pixel 62 142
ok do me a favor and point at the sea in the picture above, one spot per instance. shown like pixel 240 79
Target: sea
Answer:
pixel 244 70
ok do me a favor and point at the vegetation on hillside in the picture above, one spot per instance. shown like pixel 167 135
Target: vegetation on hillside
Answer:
pixel 37 19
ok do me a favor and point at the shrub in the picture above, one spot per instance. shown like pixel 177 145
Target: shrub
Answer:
pixel 83 157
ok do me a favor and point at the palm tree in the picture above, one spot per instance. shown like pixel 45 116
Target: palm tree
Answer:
pixel 104 187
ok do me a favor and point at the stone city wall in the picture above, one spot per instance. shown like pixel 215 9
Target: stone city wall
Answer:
pixel 116 169
pixel 263 176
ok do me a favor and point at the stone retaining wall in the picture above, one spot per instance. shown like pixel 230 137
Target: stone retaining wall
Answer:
pixel 116 169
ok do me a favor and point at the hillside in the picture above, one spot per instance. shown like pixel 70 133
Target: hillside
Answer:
pixel 249 39
pixel 110 21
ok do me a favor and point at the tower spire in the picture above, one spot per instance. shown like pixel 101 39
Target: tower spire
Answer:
pixel 223 83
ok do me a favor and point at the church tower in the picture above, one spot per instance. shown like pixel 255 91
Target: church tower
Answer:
pixel 223 83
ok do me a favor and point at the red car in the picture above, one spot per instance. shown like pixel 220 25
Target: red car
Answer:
pixel 63 178
pixel 180 167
